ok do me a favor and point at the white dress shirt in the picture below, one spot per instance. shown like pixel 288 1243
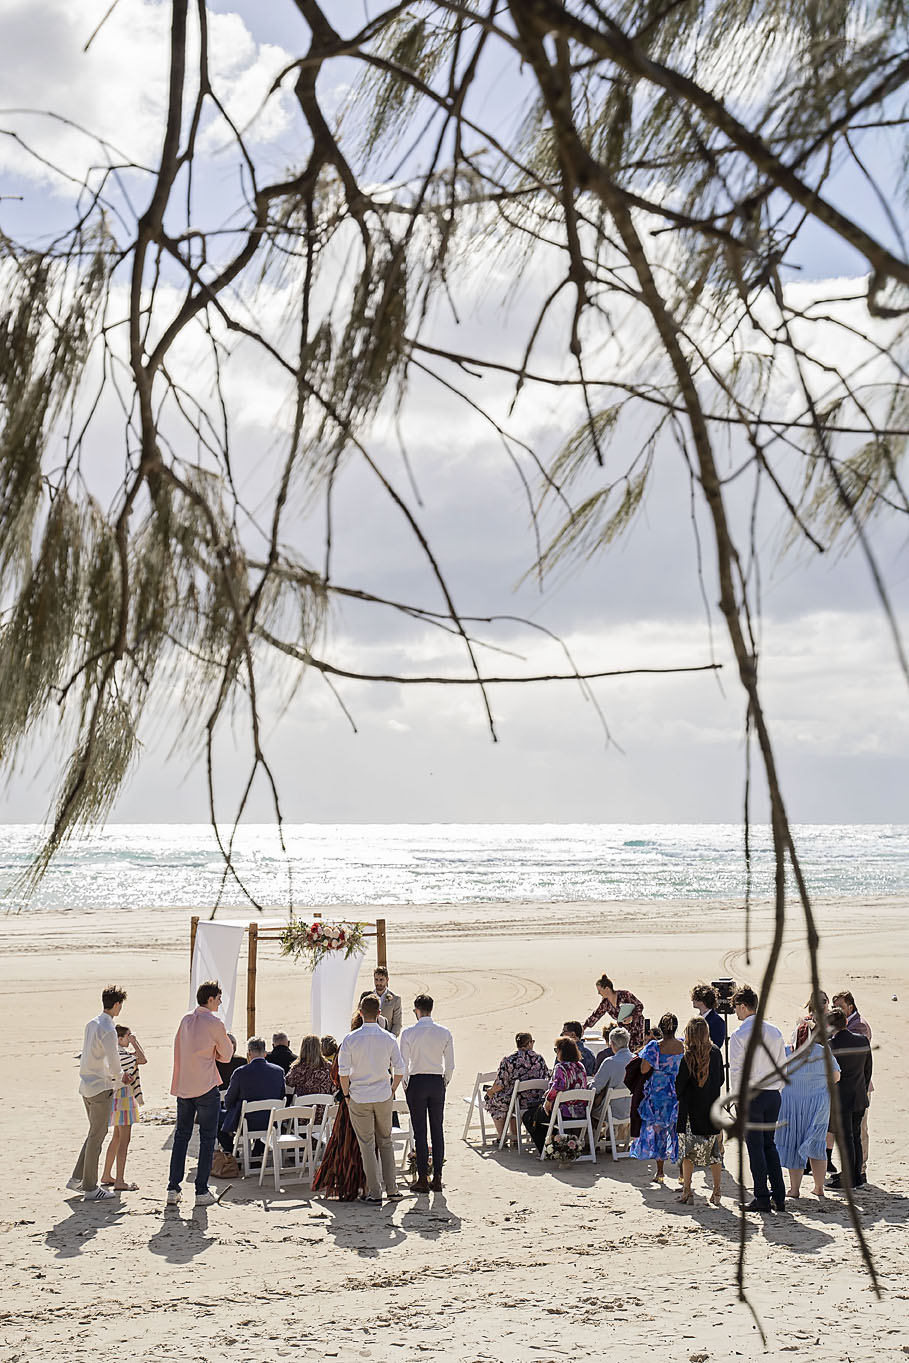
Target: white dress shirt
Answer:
pixel 366 1056
pixel 427 1048
pixel 770 1053
pixel 99 1065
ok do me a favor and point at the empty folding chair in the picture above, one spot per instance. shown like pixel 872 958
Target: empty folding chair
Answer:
pixel 516 1108
pixel 290 1132
pixel 476 1106
pixel 402 1136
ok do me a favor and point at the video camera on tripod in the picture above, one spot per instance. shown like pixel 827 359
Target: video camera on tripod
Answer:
pixel 724 990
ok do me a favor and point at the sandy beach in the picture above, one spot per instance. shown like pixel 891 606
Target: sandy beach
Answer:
pixel 516 1260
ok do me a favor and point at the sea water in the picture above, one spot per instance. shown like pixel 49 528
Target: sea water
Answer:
pixel 164 865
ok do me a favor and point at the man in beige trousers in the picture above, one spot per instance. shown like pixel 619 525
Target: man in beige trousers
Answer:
pixel 370 1067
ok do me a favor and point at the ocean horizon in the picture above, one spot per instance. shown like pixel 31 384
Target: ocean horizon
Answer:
pixel 164 865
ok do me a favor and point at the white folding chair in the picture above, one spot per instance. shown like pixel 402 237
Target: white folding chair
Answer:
pixel 516 1108
pixel 608 1121
pixel 321 1130
pixel 290 1132
pixel 565 1125
pixel 475 1104
pixel 245 1139
pixel 402 1135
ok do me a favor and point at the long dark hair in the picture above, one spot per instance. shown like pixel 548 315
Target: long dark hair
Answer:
pixel 697 1050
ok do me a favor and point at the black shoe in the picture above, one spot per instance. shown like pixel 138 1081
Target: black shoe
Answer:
pixel 834 1181
pixel 831 1167
pixel 861 1180
pixel 755 1206
pixel 779 1206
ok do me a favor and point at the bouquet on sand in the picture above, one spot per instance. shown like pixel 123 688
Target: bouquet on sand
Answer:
pixel 564 1148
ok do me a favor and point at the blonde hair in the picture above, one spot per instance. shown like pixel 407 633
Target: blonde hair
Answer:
pixel 697 1050
pixel 310 1051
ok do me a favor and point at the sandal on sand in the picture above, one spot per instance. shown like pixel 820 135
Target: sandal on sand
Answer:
pixel 716 1199
pixel 125 1187
pixel 685 1197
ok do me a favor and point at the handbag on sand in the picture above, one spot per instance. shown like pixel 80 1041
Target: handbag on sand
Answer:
pixel 224 1165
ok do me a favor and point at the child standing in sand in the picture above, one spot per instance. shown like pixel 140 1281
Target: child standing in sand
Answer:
pixel 124 1112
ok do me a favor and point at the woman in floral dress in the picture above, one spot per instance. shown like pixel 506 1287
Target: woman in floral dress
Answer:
pixel 659 1108
pixel 698 1085
pixel 621 1005
pixel 568 1073
pixel 524 1063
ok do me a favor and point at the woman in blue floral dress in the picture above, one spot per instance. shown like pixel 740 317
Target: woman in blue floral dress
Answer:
pixel 659 1108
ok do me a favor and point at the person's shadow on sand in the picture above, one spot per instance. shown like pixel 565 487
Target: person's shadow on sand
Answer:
pixel 366 1229
pixel 180 1239
pixel 430 1217
pixel 69 1237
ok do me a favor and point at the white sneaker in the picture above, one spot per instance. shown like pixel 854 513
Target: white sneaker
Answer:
pixel 74 1184
pixel 206 1199
pixel 173 1197
pixel 98 1195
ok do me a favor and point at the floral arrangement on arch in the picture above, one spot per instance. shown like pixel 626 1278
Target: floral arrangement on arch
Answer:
pixel 317 939
pixel 564 1148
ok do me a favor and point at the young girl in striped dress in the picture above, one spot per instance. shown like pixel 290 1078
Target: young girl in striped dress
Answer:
pixel 124 1112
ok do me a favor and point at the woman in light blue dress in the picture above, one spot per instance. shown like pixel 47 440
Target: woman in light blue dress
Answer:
pixel 804 1117
pixel 659 1108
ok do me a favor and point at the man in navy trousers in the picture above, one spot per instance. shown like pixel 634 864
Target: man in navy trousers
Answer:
pixel 428 1052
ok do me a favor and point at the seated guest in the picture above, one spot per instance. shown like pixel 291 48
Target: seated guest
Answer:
pixel 280 1053
pixel 703 1000
pixel 227 1067
pixel 616 1001
pixel 588 1059
pixel 568 1073
pixel 611 1073
pixel 524 1063
pixel 251 1083
pixel 310 1074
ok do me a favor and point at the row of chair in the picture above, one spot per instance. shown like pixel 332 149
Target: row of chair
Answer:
pixel 584 1125
pixel 295 1138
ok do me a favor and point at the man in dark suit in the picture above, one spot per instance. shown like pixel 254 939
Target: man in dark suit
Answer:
pixel 853 1055
pixel 252 1083
pixel 389 1003
pixel 280 1053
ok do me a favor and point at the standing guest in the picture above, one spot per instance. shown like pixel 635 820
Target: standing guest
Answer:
pixel 340 1173
pixel 610 1074
pixel 611 1001
pixel 523 1063
pixel 100 1072
pixel 201 1041
pixel 807 1024
pixel 659 1109
pixel 390 1010
pixel 857 1024
pixel 763 1099
pixel 124 1112
pixel 588 1059
pixel 703 999
pixel 364 1061
pixel 280 1053
pixel 698 1085
pixel 805 1118
pixel 227 1067
pixel 568 1073
pixel 253 1082
pixel 428 1052
pixel 853 1053
pixel 310 1074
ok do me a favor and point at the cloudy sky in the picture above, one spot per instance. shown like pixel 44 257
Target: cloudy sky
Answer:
pixel 835 698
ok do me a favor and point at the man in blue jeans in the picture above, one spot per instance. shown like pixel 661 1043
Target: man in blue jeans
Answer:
pixel 201 1041
pixel 765 1087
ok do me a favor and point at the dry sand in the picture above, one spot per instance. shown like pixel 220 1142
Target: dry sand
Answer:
pixel 516 1260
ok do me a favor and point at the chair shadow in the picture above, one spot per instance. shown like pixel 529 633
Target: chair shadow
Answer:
pixel 69 1237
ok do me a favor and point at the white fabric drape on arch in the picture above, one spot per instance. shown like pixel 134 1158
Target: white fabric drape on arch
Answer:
pixel 334 984
pixel 215 955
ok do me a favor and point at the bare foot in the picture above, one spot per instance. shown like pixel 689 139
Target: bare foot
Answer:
pixel 793 1195
pixel 685 1197
pixel 125 1187
pixel 716 1199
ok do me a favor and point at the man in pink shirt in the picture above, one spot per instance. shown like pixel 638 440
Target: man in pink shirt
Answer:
pixel 200 1042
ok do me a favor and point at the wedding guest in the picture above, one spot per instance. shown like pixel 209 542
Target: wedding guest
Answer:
pixel 200 1042
pixel 762 1099
pixel 364 1061
pixel 807 1024
pixel 568 1073
pixel 588 1059
pixel 698 1085
pixel 329 1046
pixel 253 1082
pixel 611 1001
pixel 523 1063
pixel 428 1052
pixel 703 999
pixel 611 1073
pixel 340 1173
pixel 310 1074
pixel 390 1010
pixel 100 1072
pixel 857 1024
pixel 124 1112
pixel 853 1053
pixel 227 1067
pixel 659 1109
pixel 280 1053
pixel 801 1136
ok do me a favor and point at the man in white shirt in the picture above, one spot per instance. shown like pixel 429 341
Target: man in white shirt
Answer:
pixel 100 1072
pixel 428 1052
pixel 370 1067
pixel 765 1089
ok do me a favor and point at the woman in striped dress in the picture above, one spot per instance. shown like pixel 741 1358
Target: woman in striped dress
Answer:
pixel 124 1112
